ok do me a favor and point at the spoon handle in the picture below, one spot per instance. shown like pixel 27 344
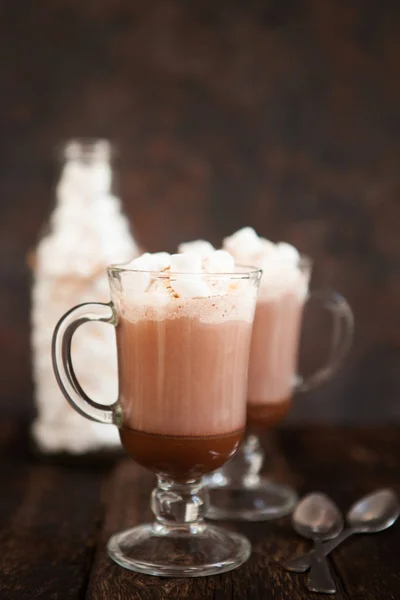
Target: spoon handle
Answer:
pixel 300 564
pixel 320 578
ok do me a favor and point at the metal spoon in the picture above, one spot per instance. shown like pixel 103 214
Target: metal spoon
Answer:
pixel 370 514
pixel 318 518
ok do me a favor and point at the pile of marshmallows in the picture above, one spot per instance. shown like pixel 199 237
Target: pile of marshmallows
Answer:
pixel 279 262
pixel 188 265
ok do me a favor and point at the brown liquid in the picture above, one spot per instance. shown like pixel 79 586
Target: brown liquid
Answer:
pixel 182 457
pixel 182 376
pixel 182 385
pixel 267 415
pixel 273 358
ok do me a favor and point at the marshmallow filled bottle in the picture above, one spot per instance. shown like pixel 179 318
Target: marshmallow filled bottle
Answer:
pixel 86 232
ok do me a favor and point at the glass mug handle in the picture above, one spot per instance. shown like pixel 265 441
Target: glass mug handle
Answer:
pixel 62 361
pixel 342 335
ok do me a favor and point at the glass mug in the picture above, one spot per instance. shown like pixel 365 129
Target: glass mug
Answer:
pixel 181 410
pixel 237 490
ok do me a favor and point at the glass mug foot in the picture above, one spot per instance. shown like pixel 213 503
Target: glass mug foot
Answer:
pixel 262 501
pixel 171 552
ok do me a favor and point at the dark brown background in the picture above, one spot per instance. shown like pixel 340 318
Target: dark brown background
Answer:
pixel 278 114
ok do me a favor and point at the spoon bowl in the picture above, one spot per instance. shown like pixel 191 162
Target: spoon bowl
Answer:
pixel 317 517
pixel 374 512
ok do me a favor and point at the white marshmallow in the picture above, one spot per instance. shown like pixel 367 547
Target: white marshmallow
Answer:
pixel 243 243
pixel 144 262
pixel 159 287
pixel 138 282
pixel 272 264
pixel 279 262
pixel 201 246
pixel 190 287
pixel 186 263
pixel 267 247
pixel 161 260
pixel 288 252
pixel 220 261
pixel 101 176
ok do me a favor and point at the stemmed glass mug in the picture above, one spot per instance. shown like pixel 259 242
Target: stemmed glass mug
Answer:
pixel 181 408
pixel 238 490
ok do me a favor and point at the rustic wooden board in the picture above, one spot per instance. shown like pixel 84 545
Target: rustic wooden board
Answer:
pixel 49 518
pixel 261 577
pixel 55 520
pixel 342 456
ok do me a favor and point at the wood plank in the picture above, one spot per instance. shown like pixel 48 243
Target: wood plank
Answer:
pixel 348 464
pixel 260 578
pixel 336 461
pixel 342 455
pixel 368 564
pixel 55 518
pixel 49 518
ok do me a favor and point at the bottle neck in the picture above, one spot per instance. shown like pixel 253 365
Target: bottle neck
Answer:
pixel 86 171
pixel 87 151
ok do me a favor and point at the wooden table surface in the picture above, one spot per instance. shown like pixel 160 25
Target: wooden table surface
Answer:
pixel 56 517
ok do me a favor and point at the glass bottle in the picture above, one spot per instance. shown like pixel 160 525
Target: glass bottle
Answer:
pixel 87 231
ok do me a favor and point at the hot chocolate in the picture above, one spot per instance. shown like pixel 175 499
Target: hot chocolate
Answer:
pixel 273 358
pixel 277 322
pixel 183 376
pixel 180 456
